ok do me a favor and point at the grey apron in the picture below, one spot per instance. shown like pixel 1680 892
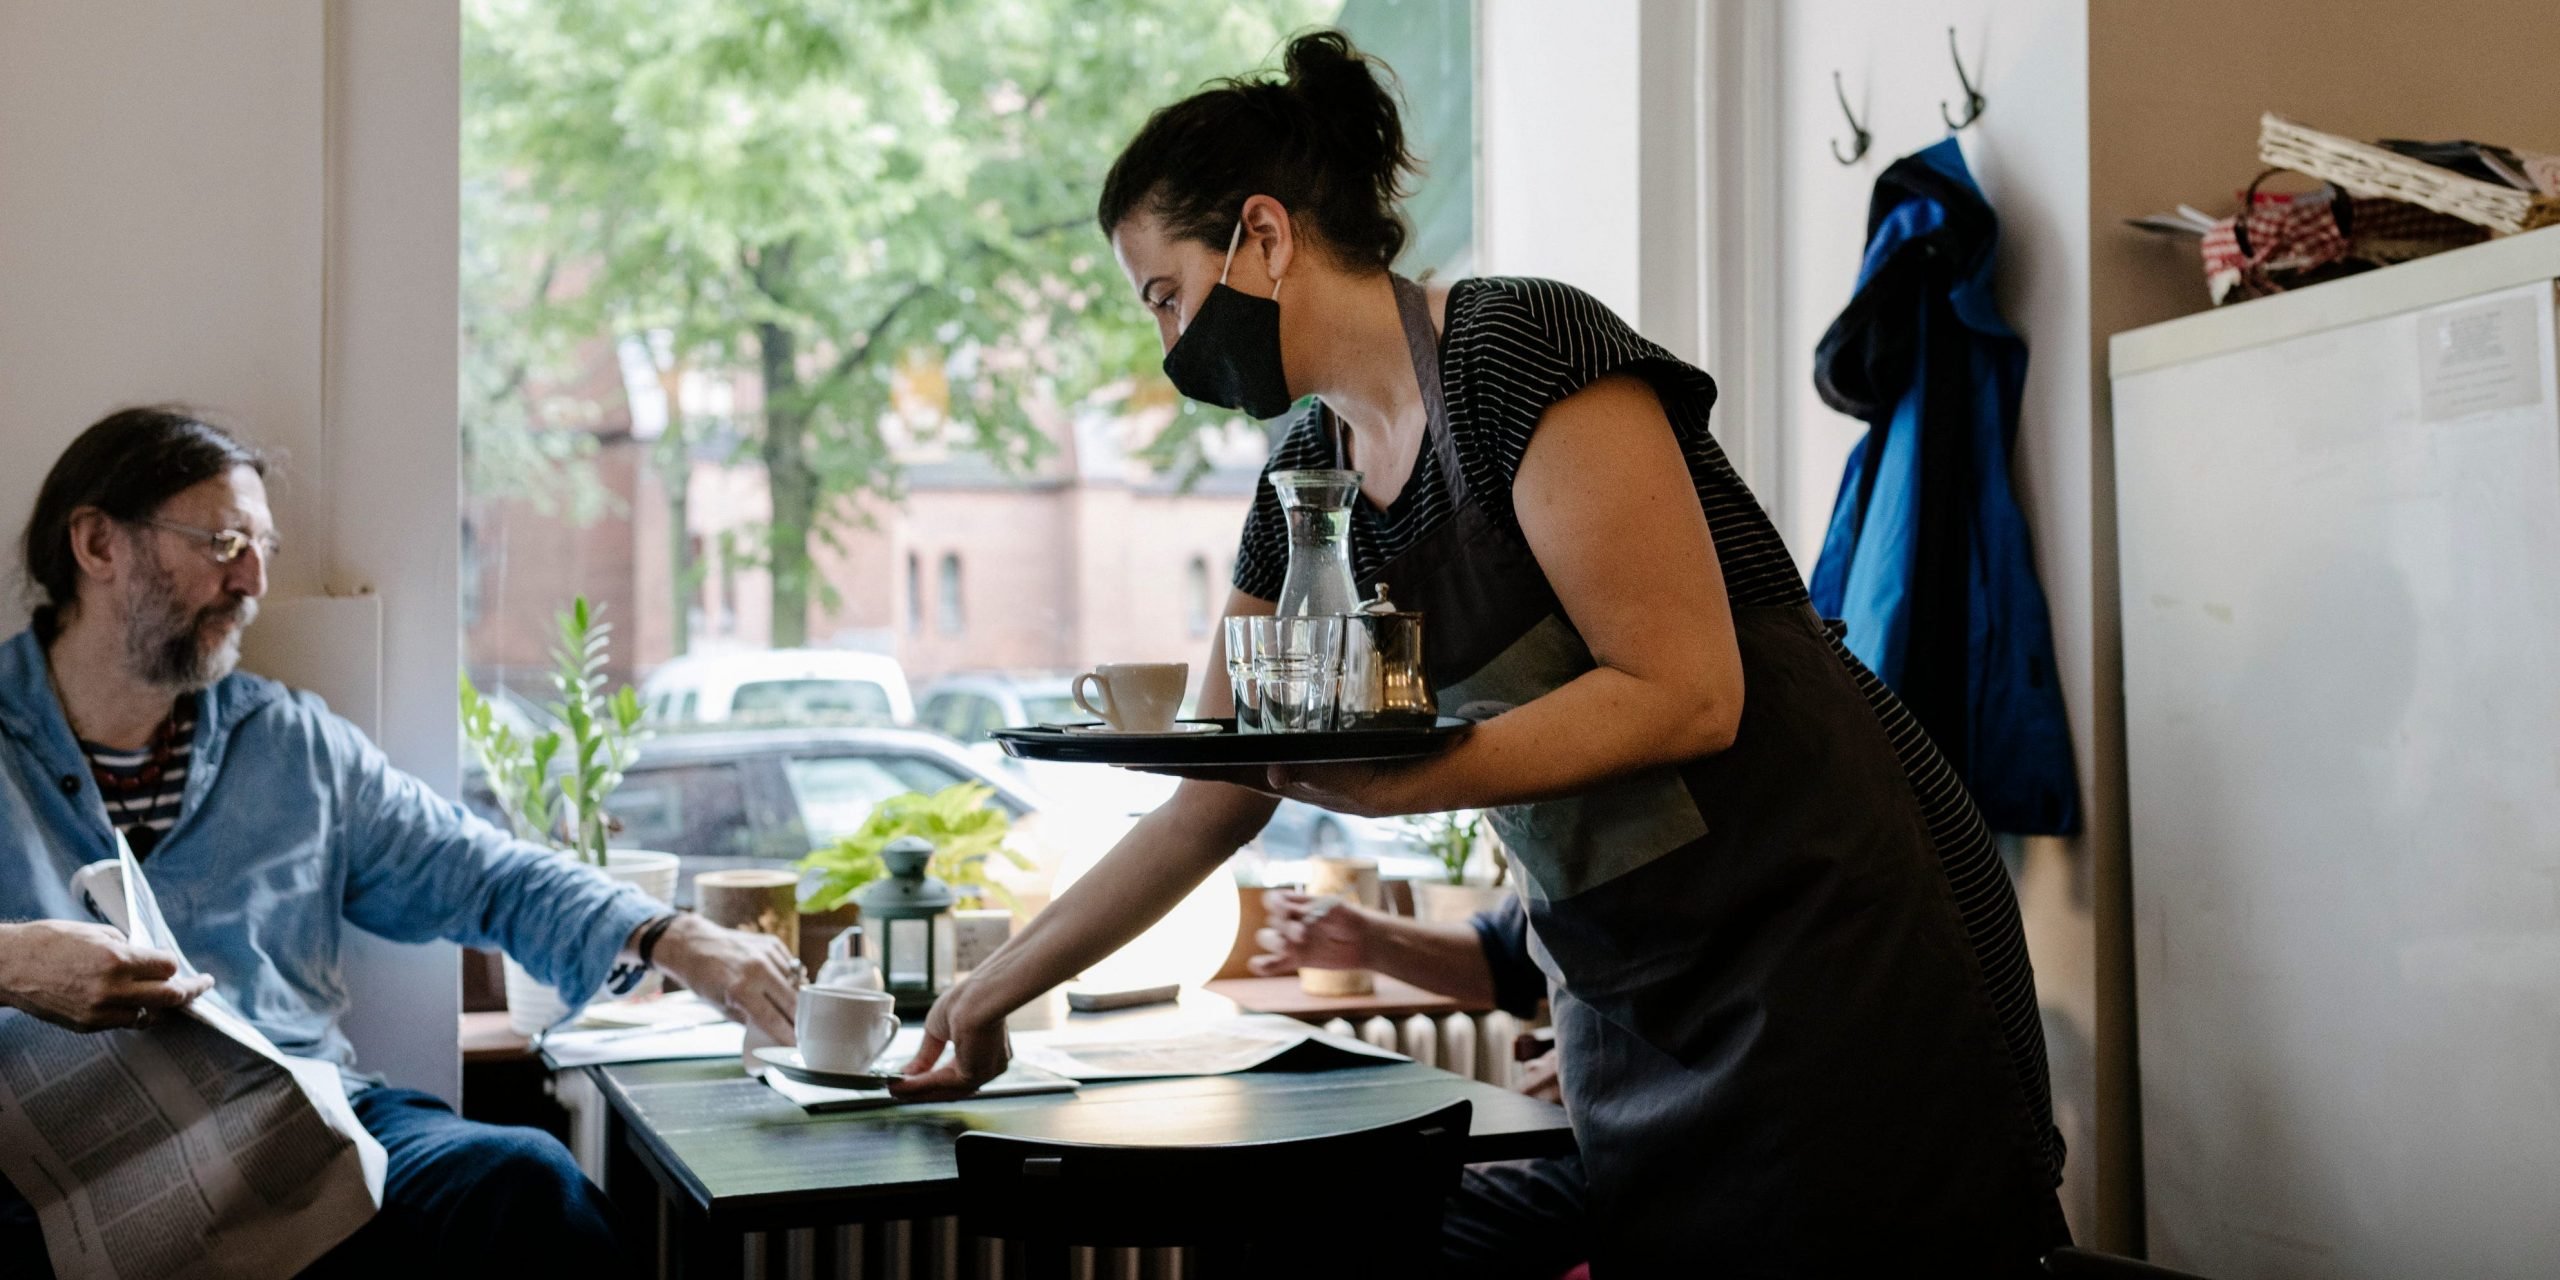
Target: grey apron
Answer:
pixel 1779 1058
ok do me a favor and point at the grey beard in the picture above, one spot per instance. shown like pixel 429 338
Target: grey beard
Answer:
pixel 161 638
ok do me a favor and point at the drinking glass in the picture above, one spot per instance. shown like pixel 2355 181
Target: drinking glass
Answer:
pixel 1240 674
pixel 1297 669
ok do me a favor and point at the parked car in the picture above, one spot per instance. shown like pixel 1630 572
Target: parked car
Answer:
pixel 779 687
pixel 766 797
pixel 965 708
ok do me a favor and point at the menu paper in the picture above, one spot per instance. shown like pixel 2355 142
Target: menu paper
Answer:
pixel 193 1148
pixel 1165 1047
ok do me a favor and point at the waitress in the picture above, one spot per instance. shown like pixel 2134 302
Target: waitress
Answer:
pixel 1797 1020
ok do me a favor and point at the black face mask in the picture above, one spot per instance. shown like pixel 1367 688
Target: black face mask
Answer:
pixel 1230 354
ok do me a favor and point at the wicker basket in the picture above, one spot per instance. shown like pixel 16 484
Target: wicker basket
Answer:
pixel 2368 170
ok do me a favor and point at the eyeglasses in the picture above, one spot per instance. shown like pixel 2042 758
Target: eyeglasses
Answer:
pixel 224 545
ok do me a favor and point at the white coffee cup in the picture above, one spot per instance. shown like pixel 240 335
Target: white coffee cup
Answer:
pixel 1135 697
pixel 843 1030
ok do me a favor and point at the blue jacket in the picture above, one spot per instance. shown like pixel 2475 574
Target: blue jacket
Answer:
pixel 1927 558
pixel 292 828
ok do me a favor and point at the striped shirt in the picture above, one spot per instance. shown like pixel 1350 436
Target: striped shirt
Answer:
pixel 144 787
pixel 1510 349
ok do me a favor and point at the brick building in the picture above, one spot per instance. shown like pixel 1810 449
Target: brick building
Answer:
pixel 1091 558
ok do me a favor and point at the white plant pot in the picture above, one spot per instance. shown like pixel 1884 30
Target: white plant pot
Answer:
pixel 532 1005
pixel 1441 903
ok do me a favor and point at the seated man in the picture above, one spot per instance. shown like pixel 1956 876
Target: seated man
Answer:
pixel 266 825
pixel 1522 1219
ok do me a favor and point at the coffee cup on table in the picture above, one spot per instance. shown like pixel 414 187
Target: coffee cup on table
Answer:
pixel 1134 697
pixel 842 1029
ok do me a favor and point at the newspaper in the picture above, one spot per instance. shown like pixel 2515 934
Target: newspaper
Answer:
pixel 194 1148
pixel 1160 1047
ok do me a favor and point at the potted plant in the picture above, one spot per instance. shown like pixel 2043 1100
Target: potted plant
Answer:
pixel 1454 839
pixel 965 831
pixel 553 784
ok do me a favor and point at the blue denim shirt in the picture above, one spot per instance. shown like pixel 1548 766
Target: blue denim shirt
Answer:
pixel 294 827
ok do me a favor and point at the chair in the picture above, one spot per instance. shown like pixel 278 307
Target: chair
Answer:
pixel 1365 1203
pixel 2082 1264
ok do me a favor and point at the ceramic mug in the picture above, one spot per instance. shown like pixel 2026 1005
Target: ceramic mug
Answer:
pixel 843 1030
pixel 1135 697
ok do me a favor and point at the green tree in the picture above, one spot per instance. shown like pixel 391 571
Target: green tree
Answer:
pixel 824 191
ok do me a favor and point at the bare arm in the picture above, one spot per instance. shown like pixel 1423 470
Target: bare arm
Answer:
pixel 1162 858
pixel 1606 502
pixel 1446 958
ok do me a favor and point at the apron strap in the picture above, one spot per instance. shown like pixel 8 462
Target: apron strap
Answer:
pixel 1413 306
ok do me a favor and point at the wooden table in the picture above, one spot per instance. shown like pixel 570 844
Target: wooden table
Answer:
pixel 730 1156
pixel 1393 998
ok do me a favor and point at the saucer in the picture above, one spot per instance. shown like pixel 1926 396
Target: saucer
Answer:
pixel 1180 729
pixel 786 1059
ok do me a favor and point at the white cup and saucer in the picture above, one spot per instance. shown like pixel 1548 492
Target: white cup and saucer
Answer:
pixel 842 1033
pixel 1136 700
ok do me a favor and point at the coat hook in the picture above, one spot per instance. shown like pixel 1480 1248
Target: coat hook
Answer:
pixel 1859 138
pixel 1973 100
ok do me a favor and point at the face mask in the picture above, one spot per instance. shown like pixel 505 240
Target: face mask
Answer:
pixel 1230 354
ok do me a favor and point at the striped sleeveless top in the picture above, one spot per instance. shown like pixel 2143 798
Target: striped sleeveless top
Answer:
pixel 1510 348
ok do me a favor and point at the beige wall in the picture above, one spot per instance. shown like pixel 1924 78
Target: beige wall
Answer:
pixel 2174 94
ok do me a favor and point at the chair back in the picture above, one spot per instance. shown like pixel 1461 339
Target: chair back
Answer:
pixel 1366 1202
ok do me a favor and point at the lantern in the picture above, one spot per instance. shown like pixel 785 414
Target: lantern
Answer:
pixel 907 926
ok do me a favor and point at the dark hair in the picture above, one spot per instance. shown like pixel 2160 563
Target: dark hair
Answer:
pixel 127 465
pixel 1324 140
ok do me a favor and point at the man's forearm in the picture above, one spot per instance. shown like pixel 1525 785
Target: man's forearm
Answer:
pixel 1446 958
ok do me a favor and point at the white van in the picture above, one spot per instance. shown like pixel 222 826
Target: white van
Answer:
pixel 779 686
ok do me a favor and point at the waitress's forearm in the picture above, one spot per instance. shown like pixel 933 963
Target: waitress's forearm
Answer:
pixel 1163 858
pixel 1604 724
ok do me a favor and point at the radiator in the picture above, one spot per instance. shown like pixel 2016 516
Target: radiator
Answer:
pixel 1476 1046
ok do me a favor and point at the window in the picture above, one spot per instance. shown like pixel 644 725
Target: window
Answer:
pixel 733 442
pixel 837 793
pixel 1196 607
pixel 915 593
pixel 952 614
pixel 692 810
pixel 811 702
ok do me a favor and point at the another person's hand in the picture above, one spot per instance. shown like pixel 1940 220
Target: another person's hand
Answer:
pixel 1301 931
pixel 979 1051
pixel 751 977
pixel 1542 1077
pixel 88 977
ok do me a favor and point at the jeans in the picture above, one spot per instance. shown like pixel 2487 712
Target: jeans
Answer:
pixel 458 1197
pixel 1516 1220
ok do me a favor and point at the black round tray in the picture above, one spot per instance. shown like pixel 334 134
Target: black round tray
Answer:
pixel 1228 747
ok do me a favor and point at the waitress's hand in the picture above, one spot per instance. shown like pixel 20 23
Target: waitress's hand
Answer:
pixel 1370 789
pixel 1299 930
pixel 979 1052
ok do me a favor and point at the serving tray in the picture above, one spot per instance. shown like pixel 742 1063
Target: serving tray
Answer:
pixel 1227 747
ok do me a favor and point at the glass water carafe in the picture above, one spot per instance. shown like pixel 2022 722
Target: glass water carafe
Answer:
pixel 1318 506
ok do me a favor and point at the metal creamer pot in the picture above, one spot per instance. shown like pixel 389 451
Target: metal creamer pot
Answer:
pixel 1384 685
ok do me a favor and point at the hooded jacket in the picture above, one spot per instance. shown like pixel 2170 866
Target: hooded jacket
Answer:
pixel 1927 559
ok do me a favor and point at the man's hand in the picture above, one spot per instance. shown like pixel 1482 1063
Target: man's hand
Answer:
pixel 1299 931
pixel 751 977
pixel 88 977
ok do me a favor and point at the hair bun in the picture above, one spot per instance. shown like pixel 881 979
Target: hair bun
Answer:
pixel 1323 138
pixel 1353 96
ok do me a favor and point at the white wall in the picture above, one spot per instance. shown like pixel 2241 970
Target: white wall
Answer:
pixel 250 206
pixel 2030 151
pixel 1558 123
